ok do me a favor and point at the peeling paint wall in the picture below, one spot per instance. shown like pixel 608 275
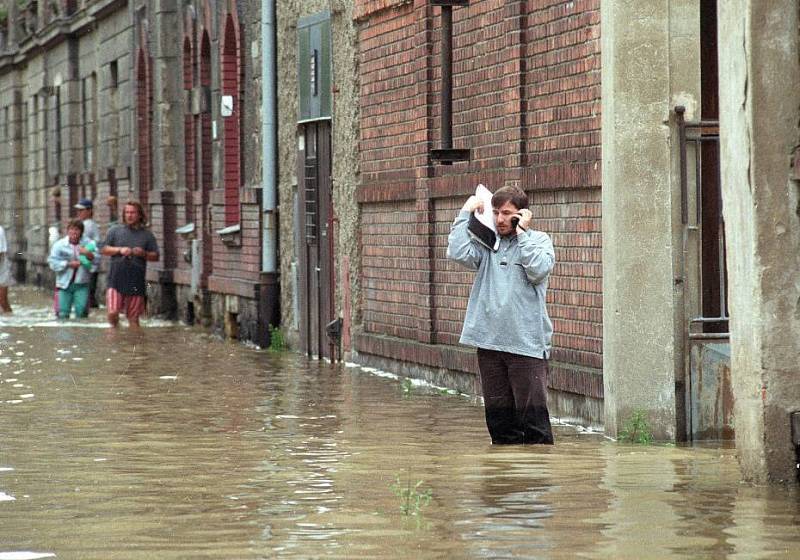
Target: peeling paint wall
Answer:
pixel 759 114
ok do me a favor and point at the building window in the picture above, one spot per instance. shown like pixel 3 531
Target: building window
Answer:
pixel 232 123
pixel 144 119
pixel 113 73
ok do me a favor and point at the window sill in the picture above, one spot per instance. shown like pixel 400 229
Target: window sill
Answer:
pixel 231 236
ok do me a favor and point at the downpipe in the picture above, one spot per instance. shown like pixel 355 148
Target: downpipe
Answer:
pixel 269 131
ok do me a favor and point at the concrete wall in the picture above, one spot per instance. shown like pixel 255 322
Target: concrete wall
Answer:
pixel 346 166
pixel 345 160
pixel 650 63
pixel 759 113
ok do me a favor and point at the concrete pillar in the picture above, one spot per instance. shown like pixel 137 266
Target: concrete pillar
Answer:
pixel 649 63
pixel 759 100
pixel 168 165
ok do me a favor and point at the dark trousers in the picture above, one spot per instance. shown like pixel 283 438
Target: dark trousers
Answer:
pixel 515 397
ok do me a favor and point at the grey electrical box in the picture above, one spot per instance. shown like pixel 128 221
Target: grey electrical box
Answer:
pixel 314 67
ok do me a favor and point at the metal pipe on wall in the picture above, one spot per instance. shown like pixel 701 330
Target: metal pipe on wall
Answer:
pixel 447 77
pixel 269 132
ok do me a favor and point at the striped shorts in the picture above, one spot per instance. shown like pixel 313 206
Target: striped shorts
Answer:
pixel 133 306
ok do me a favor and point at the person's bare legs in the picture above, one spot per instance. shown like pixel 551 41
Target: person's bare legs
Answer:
pixel 133 323
pixel 113 319
pixel 4 305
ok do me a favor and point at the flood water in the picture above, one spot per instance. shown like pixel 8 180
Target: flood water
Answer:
pixel 172 444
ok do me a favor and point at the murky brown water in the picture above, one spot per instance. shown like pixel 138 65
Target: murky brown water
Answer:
pixel 172 444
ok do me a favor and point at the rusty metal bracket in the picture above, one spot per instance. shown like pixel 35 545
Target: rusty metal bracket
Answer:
pixel 446 156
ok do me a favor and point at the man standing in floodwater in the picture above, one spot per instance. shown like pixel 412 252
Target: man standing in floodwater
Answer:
pixel 507 318
pixel 130 245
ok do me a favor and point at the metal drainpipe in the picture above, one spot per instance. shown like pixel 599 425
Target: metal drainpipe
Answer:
pixel 446 106
pixel 269 131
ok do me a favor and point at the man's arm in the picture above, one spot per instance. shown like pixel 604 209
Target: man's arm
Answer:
pixel 108 247
pixel 145 253
pixel 536 255
pixel 151 248
pixel 460 246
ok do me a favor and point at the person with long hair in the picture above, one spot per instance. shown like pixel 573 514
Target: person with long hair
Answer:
pixel 130 245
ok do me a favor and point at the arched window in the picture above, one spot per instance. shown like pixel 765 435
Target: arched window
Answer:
pixel 144 101
pixel 190 152
pixel 206 167
pixel 232 123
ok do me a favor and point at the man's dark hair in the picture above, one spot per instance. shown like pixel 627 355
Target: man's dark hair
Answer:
pixel 514 195
pixel 76 223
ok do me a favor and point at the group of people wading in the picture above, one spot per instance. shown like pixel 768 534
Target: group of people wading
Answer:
pixel 506 317
pixel 75 259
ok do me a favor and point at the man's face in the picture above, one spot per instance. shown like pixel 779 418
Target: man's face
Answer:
pixel 502 218
pixel 131 215
pixel 74 235
pixel 84 214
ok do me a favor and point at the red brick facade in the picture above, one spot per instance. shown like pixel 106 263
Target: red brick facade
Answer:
pixel 189 128
pixel 526 102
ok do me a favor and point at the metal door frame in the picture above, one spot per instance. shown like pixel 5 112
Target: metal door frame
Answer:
pixel 699 328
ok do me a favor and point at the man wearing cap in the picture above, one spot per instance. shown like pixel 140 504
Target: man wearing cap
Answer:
pixel 85 209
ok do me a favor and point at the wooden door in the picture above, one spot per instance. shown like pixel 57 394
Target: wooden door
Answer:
pixel 316 249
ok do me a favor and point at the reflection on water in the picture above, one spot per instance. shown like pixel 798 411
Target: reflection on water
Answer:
pixel 168 443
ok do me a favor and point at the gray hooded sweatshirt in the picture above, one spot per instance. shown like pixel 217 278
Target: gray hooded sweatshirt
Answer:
pixel 506 309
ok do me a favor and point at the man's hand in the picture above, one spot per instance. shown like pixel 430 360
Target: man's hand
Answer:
pixel 74 264
pixel 138 252
pixel 86 253
pixel 472 204
pixel 525 218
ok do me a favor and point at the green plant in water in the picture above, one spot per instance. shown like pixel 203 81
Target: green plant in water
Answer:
pixel 406 386
pixel 637 429
pixel 276 340
pixel 412 499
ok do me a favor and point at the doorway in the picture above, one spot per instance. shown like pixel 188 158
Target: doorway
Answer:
pixel 708 386
pixel 316 247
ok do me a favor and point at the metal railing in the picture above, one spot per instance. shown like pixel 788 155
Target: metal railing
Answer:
pixel 695 134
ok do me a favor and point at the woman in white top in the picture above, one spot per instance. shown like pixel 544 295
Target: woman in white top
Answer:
pixel 5 273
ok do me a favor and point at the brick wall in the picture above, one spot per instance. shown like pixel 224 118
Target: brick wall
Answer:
pixel 391 99
pixel 526 102
pixel 562 93
pixel 235 261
